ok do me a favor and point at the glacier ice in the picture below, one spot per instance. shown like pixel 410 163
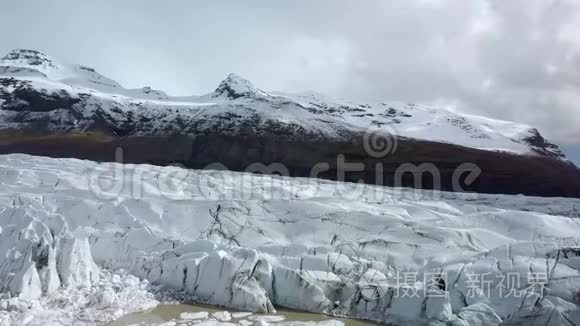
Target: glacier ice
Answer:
pixel 317 252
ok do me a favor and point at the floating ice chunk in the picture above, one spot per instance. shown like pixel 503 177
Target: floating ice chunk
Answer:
pixel 239 315
pixel 222 316
pixel 169 323
pixel 215 323
pixel 194 315
pixel 267 318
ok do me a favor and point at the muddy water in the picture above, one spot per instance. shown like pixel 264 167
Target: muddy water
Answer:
pixel 166 313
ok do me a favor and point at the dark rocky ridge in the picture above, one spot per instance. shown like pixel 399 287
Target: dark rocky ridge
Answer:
pixel 501 172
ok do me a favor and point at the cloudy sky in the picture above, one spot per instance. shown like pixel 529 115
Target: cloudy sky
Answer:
pixel 517 60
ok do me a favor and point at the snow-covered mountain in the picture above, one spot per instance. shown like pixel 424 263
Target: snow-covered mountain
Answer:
pixel 73 232
pixel 52 109
pixel 40 93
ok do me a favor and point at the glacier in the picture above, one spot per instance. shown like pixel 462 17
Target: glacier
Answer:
pixel 85 242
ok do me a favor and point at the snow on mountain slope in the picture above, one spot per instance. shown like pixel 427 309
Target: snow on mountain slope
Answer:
pixel 76 75
pixel 252 243
pixel 35 90
pixel 234 87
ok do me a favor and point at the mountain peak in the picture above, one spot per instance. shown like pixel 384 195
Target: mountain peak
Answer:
pixel 33 61
pixel 28 57
pixel 236 78
pixel 234 87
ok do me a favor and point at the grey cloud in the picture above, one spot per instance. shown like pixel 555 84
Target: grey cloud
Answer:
pixel 516 60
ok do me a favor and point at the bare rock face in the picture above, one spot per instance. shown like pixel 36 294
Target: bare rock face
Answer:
pixel 542 145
